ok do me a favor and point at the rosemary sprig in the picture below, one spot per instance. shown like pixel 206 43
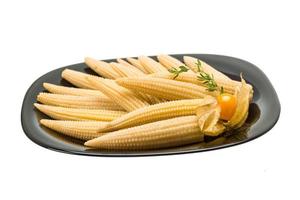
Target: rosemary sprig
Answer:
pixel 207 80
pixel 178 70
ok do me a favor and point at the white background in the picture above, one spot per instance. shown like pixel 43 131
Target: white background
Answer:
pixel 39 36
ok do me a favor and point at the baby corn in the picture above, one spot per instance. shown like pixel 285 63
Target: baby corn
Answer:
pixel 102 68
pixel 124 62
pixel 191 63
pixel 170 62
pixel 83 130
pixel 164 88
pixel 77 78
pixel 129 72
pixel 121 96
pixel 229 86
pixel 151 65
pixel 78 114
pixel 127 113
pixel 128 67
pixel 125 71
pixel 163 134
pixel 158 112
pixel 137 64
pixel 71 101
pixel 58 89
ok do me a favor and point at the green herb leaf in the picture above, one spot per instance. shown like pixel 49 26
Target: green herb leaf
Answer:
pixel 177 71
pixel 199 65
pixel 207 80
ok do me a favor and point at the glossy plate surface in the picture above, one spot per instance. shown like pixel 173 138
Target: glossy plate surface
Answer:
pixel 263 114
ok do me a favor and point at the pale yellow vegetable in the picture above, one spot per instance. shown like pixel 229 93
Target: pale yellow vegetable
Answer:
pixel 161 134
pixel 128 67
pixel 165 88
pixel 173 132
pixel 78 114
pixel 102 68
pixel 150 65
pixel 191 63
pixel 229 86
pixel 71 101
pixel 77 78
pixel 120 95
pixel 58 89
pixel 137 64
pixel 170 62
pixel 83 130
pixel 125 71
pixel 124 62
pixel 158 112
pixel 118 115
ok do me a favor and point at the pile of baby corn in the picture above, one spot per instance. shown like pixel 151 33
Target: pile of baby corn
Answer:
pixel 137 104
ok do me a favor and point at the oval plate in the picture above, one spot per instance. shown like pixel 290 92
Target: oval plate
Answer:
pixel 263 114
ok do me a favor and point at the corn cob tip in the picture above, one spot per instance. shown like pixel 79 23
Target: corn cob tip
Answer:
pixel 45 85
pixel 65 72
pixel 38 106
pixel 39 95
pixel 90 143
pixel 90 60
pixel 45 122
pixel 87 58
pixel 121 80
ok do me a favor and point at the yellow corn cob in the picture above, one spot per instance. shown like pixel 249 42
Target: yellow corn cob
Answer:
pixel 77 78
pixel 102 68
pixel 121 96
pixel 137 64
pixel 78 114
pixel 158 112
pixel 170 62
pixel 191 63
pixel 173 132
pixel 84 130
pixel 161 134
pixel 125 71
pixel 58 89
pixel 71 101
pixel 128 72
pixel 117 69
pixel 121 61
pixel 151 65
pixel 130 67
pixel 229 86
pixel 164 88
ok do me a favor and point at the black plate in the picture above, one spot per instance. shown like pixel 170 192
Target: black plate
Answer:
pixel 263 114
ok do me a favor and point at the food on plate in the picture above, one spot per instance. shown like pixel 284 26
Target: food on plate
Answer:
pixel 142 103
pixel 78 114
